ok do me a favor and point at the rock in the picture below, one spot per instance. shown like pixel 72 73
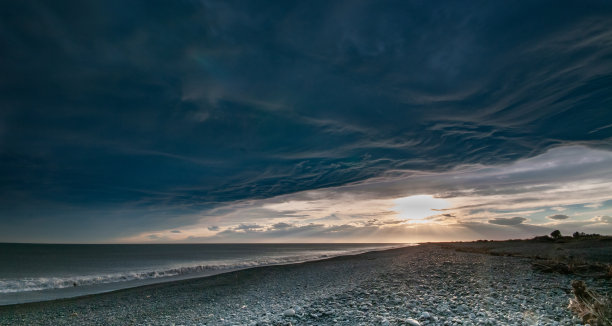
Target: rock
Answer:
pixel 412 322
pixel 425 315
pixel 289 313
pixel 384 322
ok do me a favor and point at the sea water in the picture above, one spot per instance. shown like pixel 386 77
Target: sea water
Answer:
pixel 37 272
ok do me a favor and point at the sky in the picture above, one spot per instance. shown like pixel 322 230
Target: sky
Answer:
pixel 304 121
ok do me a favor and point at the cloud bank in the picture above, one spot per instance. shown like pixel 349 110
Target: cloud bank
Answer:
pixel 483 202
pixel 131 119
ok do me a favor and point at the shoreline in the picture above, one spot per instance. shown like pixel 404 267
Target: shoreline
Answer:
pixel 187 278
pixel 427 284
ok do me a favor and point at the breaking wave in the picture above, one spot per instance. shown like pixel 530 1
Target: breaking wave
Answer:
pixel 208 268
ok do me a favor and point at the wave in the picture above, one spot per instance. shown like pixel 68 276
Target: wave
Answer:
pixel 50 283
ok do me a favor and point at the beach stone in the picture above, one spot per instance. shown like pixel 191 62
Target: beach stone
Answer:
pixel 289 313
pixel 412 322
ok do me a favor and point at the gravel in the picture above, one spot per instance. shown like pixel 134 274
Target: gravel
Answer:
pixel 422 285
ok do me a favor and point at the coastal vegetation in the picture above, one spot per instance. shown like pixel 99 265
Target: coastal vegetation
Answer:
pixel 585 257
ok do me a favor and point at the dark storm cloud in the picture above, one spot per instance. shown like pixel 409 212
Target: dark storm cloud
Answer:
pixel 185 105
pixel 508 221
pixel 558 217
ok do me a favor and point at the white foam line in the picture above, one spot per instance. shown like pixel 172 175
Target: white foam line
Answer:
pixel 49 283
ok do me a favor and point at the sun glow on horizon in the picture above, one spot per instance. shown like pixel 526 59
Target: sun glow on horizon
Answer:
pixel 419 207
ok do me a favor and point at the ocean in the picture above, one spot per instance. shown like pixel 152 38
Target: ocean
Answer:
pixel 38 272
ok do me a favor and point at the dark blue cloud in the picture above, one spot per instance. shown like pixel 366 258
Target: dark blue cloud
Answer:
pixel 508 221
pixel 173 107
pixel 558 217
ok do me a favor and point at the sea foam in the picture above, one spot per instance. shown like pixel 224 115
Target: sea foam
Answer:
pixel 185 270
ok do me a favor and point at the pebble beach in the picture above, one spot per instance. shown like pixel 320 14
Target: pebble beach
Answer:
pixel 420 285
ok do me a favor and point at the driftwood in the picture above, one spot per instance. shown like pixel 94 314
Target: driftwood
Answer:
pixel 589 305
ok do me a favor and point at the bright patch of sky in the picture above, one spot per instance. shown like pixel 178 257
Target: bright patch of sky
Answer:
pixel 527 198
pixel 419 207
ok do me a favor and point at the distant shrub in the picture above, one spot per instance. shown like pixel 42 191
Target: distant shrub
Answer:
pixel 556 234
pixel 582 235
pixel 543 238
